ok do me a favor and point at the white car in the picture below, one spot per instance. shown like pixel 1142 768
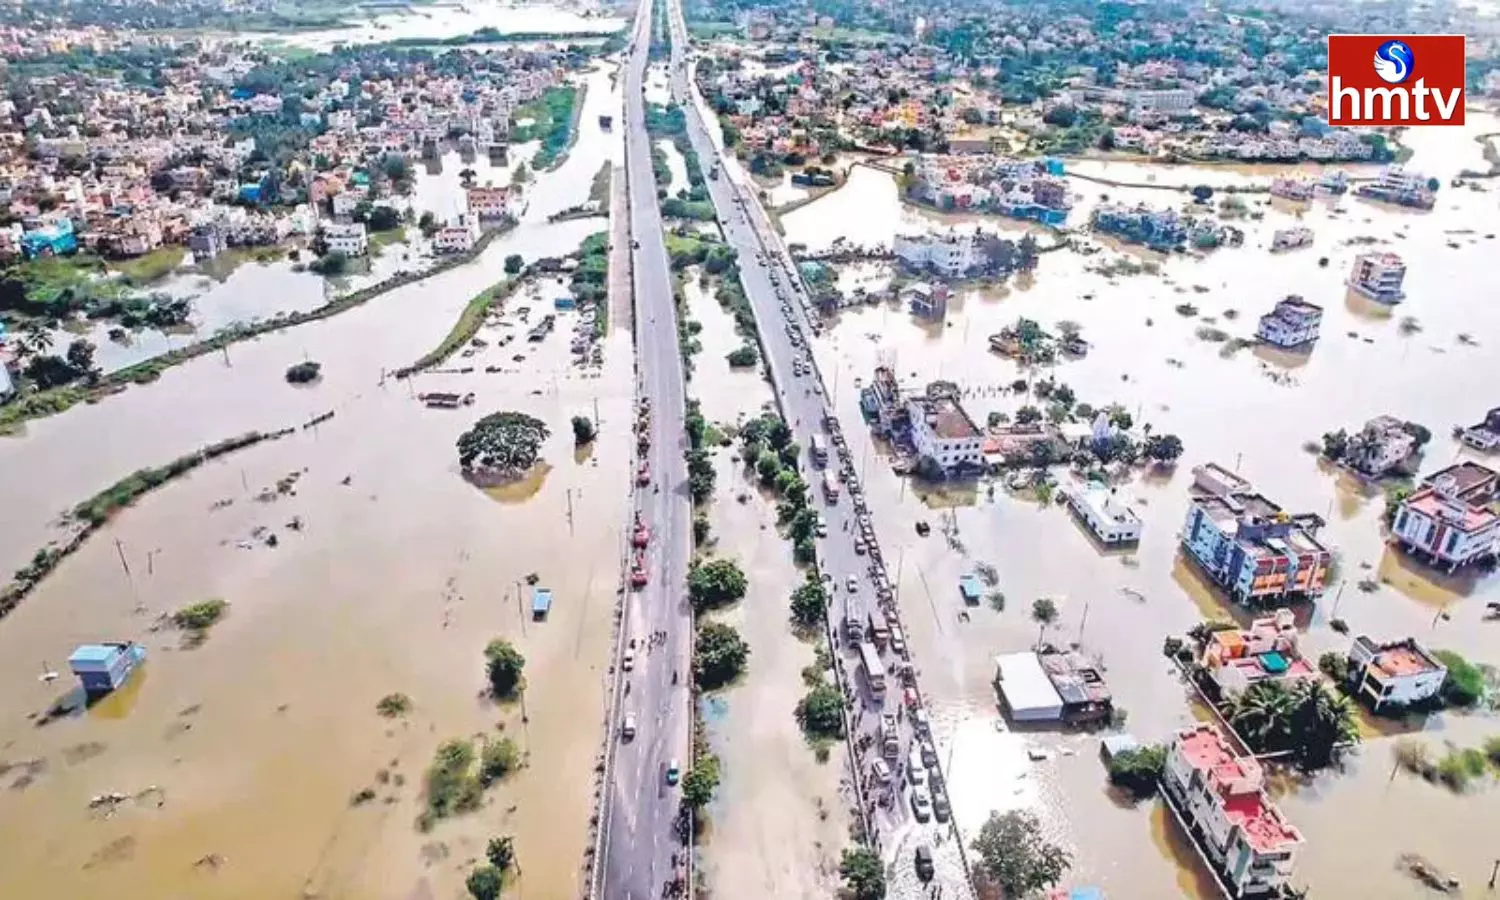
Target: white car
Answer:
pixel 628 662
pixel 921 803
pixel 914 768
pixel 852 584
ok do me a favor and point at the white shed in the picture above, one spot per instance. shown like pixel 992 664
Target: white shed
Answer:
pixel 1026 689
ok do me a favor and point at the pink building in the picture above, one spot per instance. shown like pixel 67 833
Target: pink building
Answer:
pixel 1265 651
pixel 1219 797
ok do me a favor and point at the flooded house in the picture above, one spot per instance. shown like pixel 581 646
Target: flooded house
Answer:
pixel 1291 238
pixel 1382 447
pixel 1398 673
pixel 1293 322
pixel 951 254
pixel 1396 185
pixel 1219 798
pixel 1485 435
pixel 942 431
pixel 926 301
pixel 1379 277
pixel 1449 519
pixel 1052 686
pixel 1299 190
pixel 1265 650
pixel 104 667
pixel 1107 513
pixel 1159 229
pixel 880 401
pixel 1248 545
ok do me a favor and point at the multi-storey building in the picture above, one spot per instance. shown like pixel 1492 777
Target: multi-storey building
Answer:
pixel 951 254
pixel 1292 323
pixel 1221 799
pixel 1449 519
pixel 942 431
pixel 1379 276
pixel 489 202
pixel 1267 650
pixel 1399 673
pixel 1251 547
pixel 349 239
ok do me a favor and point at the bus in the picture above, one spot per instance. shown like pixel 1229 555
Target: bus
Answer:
pixel 830 488
pixel 819 450
pixel 869 660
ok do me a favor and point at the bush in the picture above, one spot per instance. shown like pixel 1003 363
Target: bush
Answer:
pixel 821 712
pixel 333 264
pixel 504 666
pixel 1335 666
pixel 393 706
pixel 720 655
pixel 701 529
pixel 498 759
pixel 451 786
pixel 1138 770
pixel 809 603
pixel 200 616
pixel 485 883
pixel 743 356
pixel 1465 685
pixel 514 264
pixel 863 873
pixel 716 583
pixel 303 372
pixel 583 430
pixel 699 784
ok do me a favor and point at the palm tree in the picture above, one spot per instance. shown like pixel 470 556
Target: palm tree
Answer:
pixel 1043 612
pixel 1262 714
pixel 36 340
pixel 1321 721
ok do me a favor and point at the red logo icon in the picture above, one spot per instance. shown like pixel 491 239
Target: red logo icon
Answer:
pixel 1378 80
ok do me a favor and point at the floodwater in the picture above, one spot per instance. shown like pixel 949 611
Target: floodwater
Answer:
pixel 676 165
pixel 780 821
pixel 1251 411
pixel 399 574
pixel 443 21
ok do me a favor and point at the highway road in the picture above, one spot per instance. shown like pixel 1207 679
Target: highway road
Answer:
pixel 775 296
pixel 640 847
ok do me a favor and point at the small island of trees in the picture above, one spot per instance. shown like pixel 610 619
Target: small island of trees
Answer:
pixel 501 446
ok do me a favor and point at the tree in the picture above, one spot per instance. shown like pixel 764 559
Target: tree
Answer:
pixel 1420 434
pixel 1203 193
pixel 503 666
pixel 1163 448
pixel 501 852
pixel 428 223
pixel 1044 613
pixel 583 430
pixel 1335 444
pixel 1138 771
pixel 1014 855
pixel 699 784
pixel 720 655
pixel 821 711
pixel 333 263
pixel 998 253
pixel 715 583
pixel 743 356
pixel 1062 115
pixel 484 883
pixel 503 443
pixel 384 218
pixel 1028 414
pixel 81 357
pixel 514 264
pixel 809 602
pixel 303 372
pixel 36 339
pixel 498 759
pixel 1120 419
pixel 1306 719
pixel 767 466
pixel 863 873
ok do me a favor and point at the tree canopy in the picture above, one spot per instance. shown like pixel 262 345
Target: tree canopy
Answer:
pixel 502 443
pixel 721 655
pixel 863 873
pixel 715 583
pixel 503 665
pixel 1014 854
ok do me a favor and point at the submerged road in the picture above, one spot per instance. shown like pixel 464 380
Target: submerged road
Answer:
pixel 640 849
pixel 775 293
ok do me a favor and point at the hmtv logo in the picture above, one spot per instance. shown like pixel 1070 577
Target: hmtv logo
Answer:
pixel 1415 79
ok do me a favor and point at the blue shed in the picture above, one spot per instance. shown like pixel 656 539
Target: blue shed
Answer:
pixel 541 602
pixel 969 586
pixel 102 668
pixel 565 301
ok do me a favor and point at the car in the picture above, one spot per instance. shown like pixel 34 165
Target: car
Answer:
pixel 852 584
pixel 914 768
pixel 859 546
pixel 627 730
pixel 940 808
pixel 880 771
pixel 674 772
pixel 929 754
pixel 635 245
pixel 628 662
pixel 923 863
pixel 921 803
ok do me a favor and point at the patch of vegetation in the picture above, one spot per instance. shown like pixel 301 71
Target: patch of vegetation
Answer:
pixel 715 584
pixel 551 122
pixel 1307 719
pixel 504 444
pixel 503 668
pixel 200 616
pixel 1138 771
pixel 393 706
pixel 1013 854
pixel 820 712
pixel 583 430
pixel 304 372
pixel 810 603
pixel 743 356
pixel 863 873
pixel 1466 685
pixel 452 786
pixel 719 655
pixel 700 783
pixel 499 758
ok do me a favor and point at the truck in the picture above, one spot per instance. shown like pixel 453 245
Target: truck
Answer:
pixel 818 450
pixel 869 662
pixel 714 172
pixel 830 488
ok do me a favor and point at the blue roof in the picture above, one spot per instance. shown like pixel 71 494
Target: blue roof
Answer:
pixel 541 599
pixel 969 585
pixel 98 653
pixel 1086 893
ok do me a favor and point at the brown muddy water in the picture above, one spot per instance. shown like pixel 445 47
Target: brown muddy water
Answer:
pixel 257 739
pixel 1252 411
pixel 780 821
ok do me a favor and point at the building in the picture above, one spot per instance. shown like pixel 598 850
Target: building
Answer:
pixel 1296 189
pixel 1266 650
pixel 1379 276
pixel 1219 797
pixel 1448 519
pixel 927 301
pixel 7 386
pixel 1293 322
pixel 1159 229
pixel 489 202
pixel 951 254
pixel 880 401
pixel 1107 513
pixel 206 241
pixel 1052 687
pixel 1172 100
pixel 1400 673
pixel 350 239
pixel 1291 238
pixel 1381 447
pixel 1486 435
pixel 458 237
pixel 943 432
pixel 102 668
pixel 1396 185
pixel 55 239
pixel 1251 547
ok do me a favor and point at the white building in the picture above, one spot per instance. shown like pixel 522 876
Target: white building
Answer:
pixel 1291 238
pixel 1221 799
pixel 1379 276
pixel 1028 693
pixel 1399 673
pixel 942 431
pixel 489 202
pixel 1107 513
pixel 6 385
pixel 1164 101
pixel 456 238
pixel 946 253
pixel 1448 519
pixel 349 239
pixel 1292 323
pixel 1380 446
pixel 345 201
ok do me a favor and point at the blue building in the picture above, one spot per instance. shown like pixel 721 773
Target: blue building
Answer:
pixel 56 239
pixel 102 668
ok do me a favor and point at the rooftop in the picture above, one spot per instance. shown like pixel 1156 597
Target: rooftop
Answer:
pixel 1399 659
pixel 1463 516
pixel 1471 481
pixel 1232 513
pixel 1238 782
pixel 947 418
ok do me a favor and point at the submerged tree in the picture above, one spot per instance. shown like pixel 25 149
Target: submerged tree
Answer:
pixel 504 444
pixel 1014 855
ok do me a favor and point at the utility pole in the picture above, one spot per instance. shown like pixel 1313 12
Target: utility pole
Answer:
pixel 570 511
pixel 596 413
pixel 120 549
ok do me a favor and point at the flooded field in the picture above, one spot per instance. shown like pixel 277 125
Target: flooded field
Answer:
pixel 1251 410
pixel 443 22
pixel 676 164
pixel 779 822
pixel 394 578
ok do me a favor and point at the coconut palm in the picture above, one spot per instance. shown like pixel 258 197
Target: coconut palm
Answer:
pixel 1044 613
pixel 1322 721
pixel 1262 714
pixel 35 340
